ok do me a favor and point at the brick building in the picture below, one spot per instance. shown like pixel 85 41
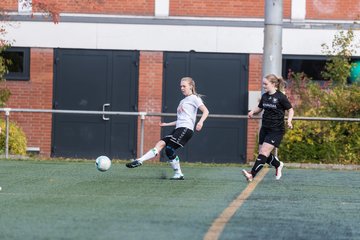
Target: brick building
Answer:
pixel 157 30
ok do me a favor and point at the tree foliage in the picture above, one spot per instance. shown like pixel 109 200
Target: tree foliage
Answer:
pixel 4 44
pixel 329 142
pixel 339 55
pixel 17 139
pixel 51 8
pixel 4 63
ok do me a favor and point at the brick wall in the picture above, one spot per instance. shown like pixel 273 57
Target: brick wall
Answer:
pixel 319 9
pixel 255 78
pixel 222 8
pixel 150 95
pixel 255 72
pixel 36 94
pixel 333 9
pixel 8 4
pixel 197 8
pixel 121 7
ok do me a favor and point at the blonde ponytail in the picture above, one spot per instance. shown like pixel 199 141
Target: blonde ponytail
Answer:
pixel 192 85
pixel 278 81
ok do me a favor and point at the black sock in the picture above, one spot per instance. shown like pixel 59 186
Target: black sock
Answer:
pixel 273 161
pixel 259 163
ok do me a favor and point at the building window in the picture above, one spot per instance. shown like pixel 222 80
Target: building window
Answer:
pixel 312 66
pixel 19 69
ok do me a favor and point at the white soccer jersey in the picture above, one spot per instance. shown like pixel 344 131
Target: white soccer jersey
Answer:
pixel 187 110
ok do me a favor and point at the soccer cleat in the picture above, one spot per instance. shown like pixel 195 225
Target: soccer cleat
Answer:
pixel 178 176
pixel 134 164
pixel 279 171
pixel 249 177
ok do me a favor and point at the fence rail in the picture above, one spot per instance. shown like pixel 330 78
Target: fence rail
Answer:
pixel 142 116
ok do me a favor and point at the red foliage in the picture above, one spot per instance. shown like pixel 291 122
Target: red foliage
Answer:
pixel 52 9
pixel 47 7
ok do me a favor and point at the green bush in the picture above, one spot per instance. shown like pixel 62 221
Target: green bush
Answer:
pixel 326 141
pixel 17 139
pixel 322 142
pixel 4 63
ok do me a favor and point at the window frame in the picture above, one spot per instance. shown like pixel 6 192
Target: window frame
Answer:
pixel 25 74
pixel 310 57
pixel 301 57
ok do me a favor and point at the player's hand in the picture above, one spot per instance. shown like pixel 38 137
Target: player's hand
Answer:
pixel 289 123
pixel 162 124
pixel 251 114
pixel 199 126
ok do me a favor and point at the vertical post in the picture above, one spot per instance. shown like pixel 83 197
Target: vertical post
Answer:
pixel 142 129
pixel 272 58
pixel 7 114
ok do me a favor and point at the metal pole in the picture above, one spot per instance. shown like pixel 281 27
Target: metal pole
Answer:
pixel 7 114
pixel 272 58
pixel 142 129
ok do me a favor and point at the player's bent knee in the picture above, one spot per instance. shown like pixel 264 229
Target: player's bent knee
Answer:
pixel 266 154
pixel 170 152
pixel 160 145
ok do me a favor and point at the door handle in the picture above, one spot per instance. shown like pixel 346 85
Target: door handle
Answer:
pixel 103 116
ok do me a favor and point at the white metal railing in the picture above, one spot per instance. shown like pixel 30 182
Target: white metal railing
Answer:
pixel 142 116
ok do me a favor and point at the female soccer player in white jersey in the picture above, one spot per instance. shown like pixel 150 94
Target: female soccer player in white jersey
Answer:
pixel 274 103
pixel 184 128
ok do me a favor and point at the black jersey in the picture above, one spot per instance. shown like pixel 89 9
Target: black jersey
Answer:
pixel 274 110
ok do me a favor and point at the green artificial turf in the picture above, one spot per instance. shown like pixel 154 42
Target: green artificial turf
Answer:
pixel 72 200
pixel 305 204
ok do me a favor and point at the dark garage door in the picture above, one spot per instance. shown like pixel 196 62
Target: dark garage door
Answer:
pixel 91 80
pixel 223 79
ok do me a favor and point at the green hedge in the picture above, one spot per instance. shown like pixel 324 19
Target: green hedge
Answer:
pixel 325 141
pixel 322 142
pixel 17 139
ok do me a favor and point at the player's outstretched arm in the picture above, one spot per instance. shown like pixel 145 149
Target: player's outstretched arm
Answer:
pixel 205 114
pixel 290 117
pixel 162 124
pixel 255 111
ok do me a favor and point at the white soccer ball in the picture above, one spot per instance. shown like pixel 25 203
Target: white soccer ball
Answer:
pixel 103 163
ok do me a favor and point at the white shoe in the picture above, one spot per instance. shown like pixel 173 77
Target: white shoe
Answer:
pixel 178 176
pixel 279 171
pixel 249 177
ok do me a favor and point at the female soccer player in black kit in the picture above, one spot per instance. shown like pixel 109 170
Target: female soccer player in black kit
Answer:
pixel 274 103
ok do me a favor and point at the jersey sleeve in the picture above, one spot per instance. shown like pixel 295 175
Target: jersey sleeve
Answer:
pixel 260 105
pixel 198 101
pixel 285 102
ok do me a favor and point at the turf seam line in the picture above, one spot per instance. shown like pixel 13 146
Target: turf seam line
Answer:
pixel 219 223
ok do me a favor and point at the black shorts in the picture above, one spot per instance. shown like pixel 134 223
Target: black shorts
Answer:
pixel 270 136
pixel 178 137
